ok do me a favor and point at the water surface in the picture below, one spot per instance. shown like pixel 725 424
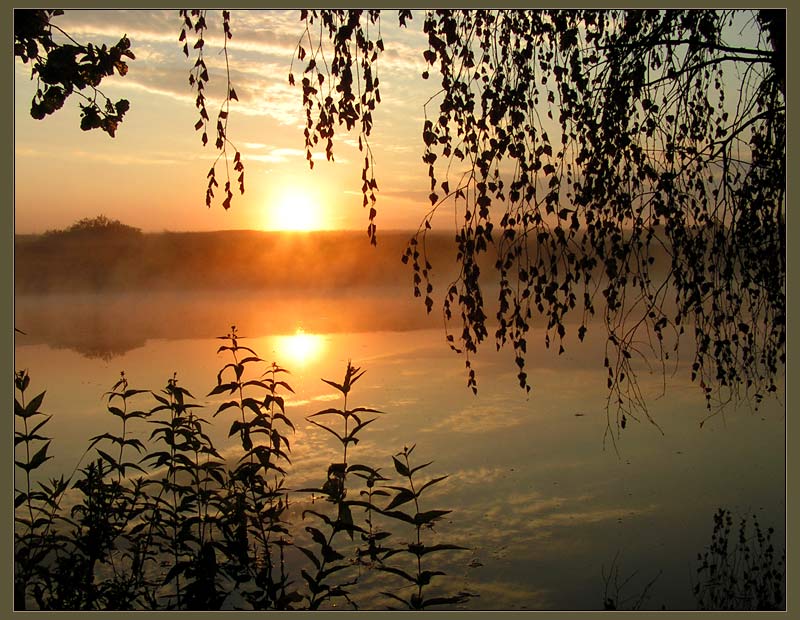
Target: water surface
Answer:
pixel 541 498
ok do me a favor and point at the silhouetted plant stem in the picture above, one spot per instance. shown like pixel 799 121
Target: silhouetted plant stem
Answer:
pixel 22 575
pixel 346 419
pixel 265 533
pixel 403 495
pixel 314 602
pixel 123 383
pixel 173 474
pixel 259 474
pixel 373 536
pixel 27 460
pixel 417 525
pixel 248 481
pixel 36 544
pixel 613 599
pixel 181 433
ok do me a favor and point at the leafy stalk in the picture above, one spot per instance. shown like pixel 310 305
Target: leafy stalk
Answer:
pixel 416 549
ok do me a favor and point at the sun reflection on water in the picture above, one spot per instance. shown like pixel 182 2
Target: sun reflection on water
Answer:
pixel 300 348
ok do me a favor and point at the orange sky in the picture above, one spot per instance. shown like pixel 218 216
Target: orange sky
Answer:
pixel 153 173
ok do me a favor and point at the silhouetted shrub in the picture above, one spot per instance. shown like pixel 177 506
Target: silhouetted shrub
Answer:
pixel 94 226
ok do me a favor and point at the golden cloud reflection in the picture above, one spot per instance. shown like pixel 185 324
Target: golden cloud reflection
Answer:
pixel 300 348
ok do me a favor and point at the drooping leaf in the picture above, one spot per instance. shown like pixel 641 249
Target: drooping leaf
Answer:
pixel 401 468
pixel 424 578
pixel 222 388
pixel 397 598
pixel 400 515
pixel 330 430
pixel 403 496
pixel 39 457
pixel 336 385
pixel 430 516
pixel 328 411
pixel 400 572
pixel 32 407
pixel 426 549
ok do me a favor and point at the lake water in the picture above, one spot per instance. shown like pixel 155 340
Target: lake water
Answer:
pixel 539 496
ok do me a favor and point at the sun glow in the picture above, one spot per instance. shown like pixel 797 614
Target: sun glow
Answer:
pixel 295 209
pixel 300 348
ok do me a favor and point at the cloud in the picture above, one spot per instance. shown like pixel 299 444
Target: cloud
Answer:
pixel 281 155
pixel 316 399
pixel 264 31
pixel 259 58
pixel 479 419
pixel 261 55
pixel 153 26
pixel 480 476
pixel 150 159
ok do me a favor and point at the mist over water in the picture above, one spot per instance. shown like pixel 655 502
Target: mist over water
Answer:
pixel 219 261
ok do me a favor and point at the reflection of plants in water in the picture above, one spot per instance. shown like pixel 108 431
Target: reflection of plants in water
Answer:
pixel 616 593
pixel 102 351
pixel 193 532
pixel 740 571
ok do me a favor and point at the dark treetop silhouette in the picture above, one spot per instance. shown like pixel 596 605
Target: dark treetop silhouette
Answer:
pixel 593 142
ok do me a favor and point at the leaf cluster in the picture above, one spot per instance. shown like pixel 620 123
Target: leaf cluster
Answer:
pixel 348 436
pixel 416 549
pixel 194 21
pixel 326 582
pixel 64 69
pixel 629 163
pixel 344 89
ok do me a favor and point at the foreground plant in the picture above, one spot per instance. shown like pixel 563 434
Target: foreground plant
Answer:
pixel 168 524
pixel 105 566
pixel 185 506
pixel 84 558
pixel 376 531
pixel 35 508
pixel 348 416
pixel 326 559
pixel 256 496
pixel 416 549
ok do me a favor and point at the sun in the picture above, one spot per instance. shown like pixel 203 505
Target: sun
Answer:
pixel 295 209
pixel 300 348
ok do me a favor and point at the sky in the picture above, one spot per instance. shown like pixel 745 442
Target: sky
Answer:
pixel 152 175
